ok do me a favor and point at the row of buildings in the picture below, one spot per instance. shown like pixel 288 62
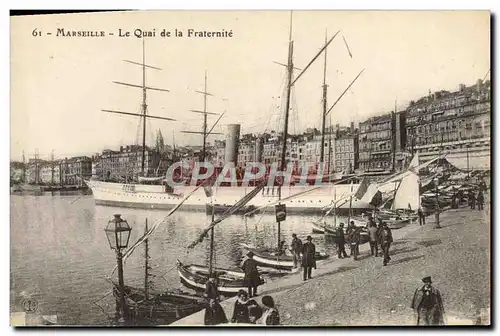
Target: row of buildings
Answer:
pixel 456 123
pixel 65 172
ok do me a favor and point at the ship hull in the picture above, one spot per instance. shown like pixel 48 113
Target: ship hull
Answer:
pixel 156 197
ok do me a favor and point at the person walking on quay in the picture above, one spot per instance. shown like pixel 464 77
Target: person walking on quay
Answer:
pixel 348 232
pixel 308 258
pixel 385 242
pixel 480 200
pixel 214 314
pixel 354 239
pixel 241 311
pixel 251 274
pixel 472 200
pixel 271 315
pixel 372 231
pixel 421 216
pixel 341 242
pixel 296 247
pixel 428 304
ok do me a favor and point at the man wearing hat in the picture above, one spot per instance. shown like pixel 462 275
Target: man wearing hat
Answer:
pixel 385 241
pixel 251 274
pixel 341 242
pixel 428 304
pixel 308 257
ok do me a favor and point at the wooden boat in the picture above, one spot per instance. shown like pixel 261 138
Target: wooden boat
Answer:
pixel 161 308
pixel 318 228
pixel 267 257
pixel 229 282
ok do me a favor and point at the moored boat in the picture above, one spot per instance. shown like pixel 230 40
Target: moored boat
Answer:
pixel 229 282
pixel 266 257
pixel 161 308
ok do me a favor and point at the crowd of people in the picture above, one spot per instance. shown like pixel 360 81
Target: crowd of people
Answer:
pixel 246 310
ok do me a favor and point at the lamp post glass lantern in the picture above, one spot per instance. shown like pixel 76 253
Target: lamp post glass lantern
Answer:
pixel 118 234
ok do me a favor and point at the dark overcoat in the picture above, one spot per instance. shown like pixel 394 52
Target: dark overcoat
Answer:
pixel 309 255
pixel 437 312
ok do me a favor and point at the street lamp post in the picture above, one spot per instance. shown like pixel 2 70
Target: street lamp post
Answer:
pixel 118 234
pixel 436 184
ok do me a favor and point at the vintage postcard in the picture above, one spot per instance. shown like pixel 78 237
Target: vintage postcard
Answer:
pixel 250 168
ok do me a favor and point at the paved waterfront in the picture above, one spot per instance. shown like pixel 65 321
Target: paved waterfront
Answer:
pixel 364 292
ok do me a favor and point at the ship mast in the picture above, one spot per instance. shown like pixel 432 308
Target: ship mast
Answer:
pixel 323 119
pixel 144 105
pixel 205 134
pixel 289 85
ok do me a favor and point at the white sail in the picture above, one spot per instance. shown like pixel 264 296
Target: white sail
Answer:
pixel 408 193
pixel 414 162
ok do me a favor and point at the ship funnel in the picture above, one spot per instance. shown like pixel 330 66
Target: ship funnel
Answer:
pixel 232 143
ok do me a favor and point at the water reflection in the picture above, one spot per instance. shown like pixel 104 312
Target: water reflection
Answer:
pixel 59 251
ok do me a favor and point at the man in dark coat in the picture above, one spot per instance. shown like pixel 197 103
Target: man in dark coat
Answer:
pixel 251 274
pixel 308 258
pixel 421 216
pixel 428 304
pixel 214 313
pixel 341 242
pixel 385 242
pixel 472 200
pixel 296 247
pixel 354 239
pixel 480 200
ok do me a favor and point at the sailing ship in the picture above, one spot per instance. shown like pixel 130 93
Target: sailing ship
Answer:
pixel 275 257
pixel 153 193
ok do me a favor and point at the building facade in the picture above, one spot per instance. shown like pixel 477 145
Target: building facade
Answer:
pixel 127 162
pixel 246 153
pixel 346 153
pixel 74 169
pixel 379 140
pixel 458 123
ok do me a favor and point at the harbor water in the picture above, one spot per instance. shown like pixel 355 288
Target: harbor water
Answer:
pixel 60 255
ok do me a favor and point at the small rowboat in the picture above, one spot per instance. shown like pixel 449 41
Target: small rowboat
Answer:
pixel 269 258
pixel 229 282
pixel 159 307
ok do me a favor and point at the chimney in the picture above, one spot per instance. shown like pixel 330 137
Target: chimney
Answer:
pixel 352 127
pixel 461 87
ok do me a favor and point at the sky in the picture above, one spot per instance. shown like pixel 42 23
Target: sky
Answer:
pixel 59 85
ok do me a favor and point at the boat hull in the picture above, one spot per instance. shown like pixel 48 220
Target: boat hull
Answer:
pixel 157 197
pixel 164 308
pixel 195 277
pixel 266 258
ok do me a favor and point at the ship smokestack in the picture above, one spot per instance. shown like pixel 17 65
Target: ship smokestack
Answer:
pixel 232 143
